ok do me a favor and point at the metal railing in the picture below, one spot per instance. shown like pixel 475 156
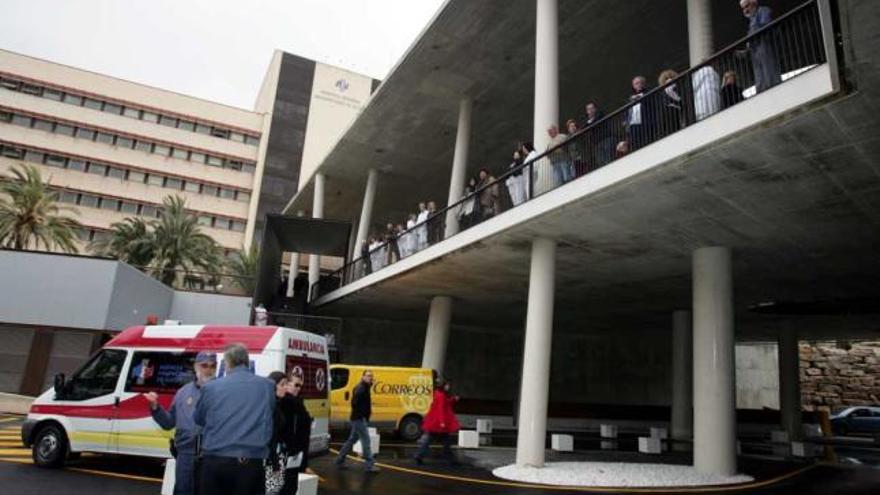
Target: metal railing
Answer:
pixel 785 48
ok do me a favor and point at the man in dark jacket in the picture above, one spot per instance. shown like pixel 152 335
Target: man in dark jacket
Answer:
pixel 361 408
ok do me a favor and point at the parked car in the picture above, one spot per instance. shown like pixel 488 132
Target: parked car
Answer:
pixel 856 420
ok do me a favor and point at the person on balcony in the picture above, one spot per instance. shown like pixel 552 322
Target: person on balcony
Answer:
pixel 576 150
pixel 514 181
pixel 377 253
pixel 707 97
pixel 731 93
pixel 365 257
pixel 671 114
pixel 490 195
pixel 422 229
pixel 562 171
pixel 407 240
pixel 600 139
pixel 761 48
pixel 527 150
pixel 392 253
pixel 468 207
pixel 640 116
pixel 435 224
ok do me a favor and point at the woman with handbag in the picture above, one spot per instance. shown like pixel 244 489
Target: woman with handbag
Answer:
pixel 292 433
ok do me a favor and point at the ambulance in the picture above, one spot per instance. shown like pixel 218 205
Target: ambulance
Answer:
pixel 400 396
pixel 101 407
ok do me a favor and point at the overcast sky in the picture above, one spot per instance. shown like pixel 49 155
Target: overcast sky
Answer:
pixel 213 49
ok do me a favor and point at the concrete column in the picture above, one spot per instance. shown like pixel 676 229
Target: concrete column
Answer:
pixel 546 71
pixel 530 441
pixel 366 211
pixel 682 425
pixel 292 273
pixel 714 365
pixel 459 163
pixel 437 334
pixel 317 212
pixel 790 383
pixel 700 38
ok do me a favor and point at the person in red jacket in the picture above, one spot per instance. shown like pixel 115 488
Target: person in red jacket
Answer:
pixel 440 422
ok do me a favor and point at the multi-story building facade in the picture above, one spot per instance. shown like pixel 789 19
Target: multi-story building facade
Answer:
pixel 115 149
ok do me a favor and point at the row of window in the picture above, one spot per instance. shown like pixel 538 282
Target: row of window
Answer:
pixel 124 141
pixel 113 171
pixel 127 111
pixel 143 209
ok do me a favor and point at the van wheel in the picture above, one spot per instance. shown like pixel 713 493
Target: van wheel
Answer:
pixel 410 428
pixel 50 447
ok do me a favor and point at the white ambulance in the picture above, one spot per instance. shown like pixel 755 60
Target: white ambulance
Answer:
pixel 101 407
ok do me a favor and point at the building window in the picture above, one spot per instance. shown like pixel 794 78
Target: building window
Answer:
pixel 10 84
pixel 193 187
pixel 92 103
pixel 149 211
pixel 237 137
pixel 143 146
pixel 78 165
pixel 206 221
pixel 88 200
pixel 234 164
pixel 31 89
pixel 73 99
pixel 131 112
pixel 34 156
pixel 129 208
pixel 85 133
pixel 83 234
pixel 113 108
pixel 53 94
pixel 209 190
pixel 97 169
pixel 64 129
pixel 150 117
pixel 187 125
pixel 109 204
pixel 135 176
pixel 169 121
pixel 236 226
pixel 124 142
pixel 43 125
pixel 227 193
pixel 179 153
pixel 161 149
pixel 252 140
pixel 203 129
pixel 197 157
pixel 12 152
pixel 5 116
pixel 103 137
pixel 220 133
pixel 243 196
pixel 68 197
pixel 21 120
pixel 172 183
pixel 215 161
pixel 100 235
pixel 155 180
pixel 249 168
pixel 116 173
pixel 56 161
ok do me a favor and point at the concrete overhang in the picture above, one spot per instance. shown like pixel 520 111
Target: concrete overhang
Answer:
pixel 485 51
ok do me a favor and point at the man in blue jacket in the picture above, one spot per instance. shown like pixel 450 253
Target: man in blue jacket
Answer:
pixel 236 414
pixel 180 416
pixel 762 48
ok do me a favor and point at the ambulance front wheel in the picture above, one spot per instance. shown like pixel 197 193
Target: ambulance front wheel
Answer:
pixel 410 428
pixel 50 447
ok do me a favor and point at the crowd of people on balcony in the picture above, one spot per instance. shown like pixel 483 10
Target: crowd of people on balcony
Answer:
pixel 648 115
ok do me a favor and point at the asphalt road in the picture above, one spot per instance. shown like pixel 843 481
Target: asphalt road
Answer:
pixel 110 475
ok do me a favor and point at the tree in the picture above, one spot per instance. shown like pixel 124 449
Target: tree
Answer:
pixel 130 241
pixel 179 246
pixel 30 215
pixel 244 266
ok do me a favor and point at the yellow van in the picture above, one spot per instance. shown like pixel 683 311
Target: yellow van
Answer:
pixel 400 396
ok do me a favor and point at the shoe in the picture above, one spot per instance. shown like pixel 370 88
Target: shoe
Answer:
pixel 340 464
pixel 419 461
pixel 373 469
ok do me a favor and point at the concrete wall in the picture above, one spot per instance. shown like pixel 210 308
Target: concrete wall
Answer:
pixel 757 376
pixel 13 356
pixel 193 308
pixel 70 350
pixel 136 295
pixel 57 291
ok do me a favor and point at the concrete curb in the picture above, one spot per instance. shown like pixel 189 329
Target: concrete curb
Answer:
pixel 15 404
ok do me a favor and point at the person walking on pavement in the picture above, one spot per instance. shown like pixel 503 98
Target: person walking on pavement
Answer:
pixel 289 449
pixel 440 423
pixel 236 416
pixel 180 416
pixel 361 409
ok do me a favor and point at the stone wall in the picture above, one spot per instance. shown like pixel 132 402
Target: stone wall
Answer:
pixel 833 376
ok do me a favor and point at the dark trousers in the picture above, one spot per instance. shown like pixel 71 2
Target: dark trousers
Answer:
pixel 232 476
pixel 425 442
pixel 184 473
pixel 291 482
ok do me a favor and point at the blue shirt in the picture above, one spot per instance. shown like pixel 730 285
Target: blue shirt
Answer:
pixel 235 413
pixel 180 416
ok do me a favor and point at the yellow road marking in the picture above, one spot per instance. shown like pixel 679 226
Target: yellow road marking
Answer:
pixel 9 420
pixel 115 475
pixel 710 489
pixel 4 452
pixel 19 460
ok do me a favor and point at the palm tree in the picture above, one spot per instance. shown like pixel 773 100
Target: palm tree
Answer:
pixel 244 266
pixel 180 246
pixel 31 217
pixel 130 241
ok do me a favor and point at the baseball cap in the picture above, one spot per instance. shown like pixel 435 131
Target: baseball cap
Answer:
pixel 206 357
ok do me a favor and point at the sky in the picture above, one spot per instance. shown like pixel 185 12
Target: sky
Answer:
pixel 213 49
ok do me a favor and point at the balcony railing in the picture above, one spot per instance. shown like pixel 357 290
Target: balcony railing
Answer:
pixel 786 48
